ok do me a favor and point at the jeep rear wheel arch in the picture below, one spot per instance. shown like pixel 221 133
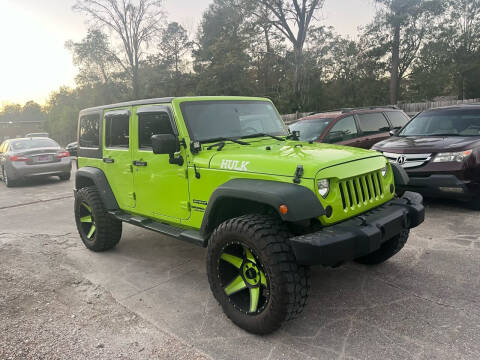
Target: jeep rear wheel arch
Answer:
pixel 301 202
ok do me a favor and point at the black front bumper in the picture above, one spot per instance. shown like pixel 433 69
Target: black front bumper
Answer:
pixel 440 186
pixel 360 235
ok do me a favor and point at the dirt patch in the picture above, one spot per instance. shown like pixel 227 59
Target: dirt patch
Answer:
pixel 49 311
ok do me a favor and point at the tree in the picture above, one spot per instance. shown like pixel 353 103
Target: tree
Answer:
pixel 135 24
pixel 94 57
pixel 222 61
pixel 174 45
pixel 398 31
pixel 460 38
pixel 291 16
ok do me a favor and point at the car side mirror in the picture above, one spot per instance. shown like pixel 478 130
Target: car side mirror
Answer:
pixel 394 132
pixel 165 144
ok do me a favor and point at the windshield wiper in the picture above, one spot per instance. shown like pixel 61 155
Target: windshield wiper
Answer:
pixel 221 142
pixel 262 135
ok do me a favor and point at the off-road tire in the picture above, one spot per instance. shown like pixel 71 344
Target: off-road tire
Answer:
pixel 8 182
pixel 386 251
pixel 108 229
pixel 65 177
pixel 289 283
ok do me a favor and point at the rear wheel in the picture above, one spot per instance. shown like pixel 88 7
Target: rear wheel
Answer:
pixel 65 176
pixel 98 229
pixel 253 273
pixel 386 251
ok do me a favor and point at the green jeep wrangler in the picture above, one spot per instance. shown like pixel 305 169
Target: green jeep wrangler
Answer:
pixel 226 174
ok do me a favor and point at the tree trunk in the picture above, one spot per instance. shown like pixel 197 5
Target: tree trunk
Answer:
pixel 394 72
pixel 298 75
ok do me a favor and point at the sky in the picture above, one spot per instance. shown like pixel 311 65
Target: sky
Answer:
pixel 34 61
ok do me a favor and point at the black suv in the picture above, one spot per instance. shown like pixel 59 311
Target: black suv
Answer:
pixel 440 150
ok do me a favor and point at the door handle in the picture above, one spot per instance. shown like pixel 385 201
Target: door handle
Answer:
pixel 108 160
pixel 139 163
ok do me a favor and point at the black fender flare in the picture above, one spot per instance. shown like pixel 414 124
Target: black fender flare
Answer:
pixel 301 202
pixel 400 175
pixel 88 175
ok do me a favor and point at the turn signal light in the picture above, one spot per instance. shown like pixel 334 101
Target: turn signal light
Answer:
pixel 283 209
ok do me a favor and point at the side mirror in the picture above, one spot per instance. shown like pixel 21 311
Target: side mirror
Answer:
pixel 165 144
pixel 394 132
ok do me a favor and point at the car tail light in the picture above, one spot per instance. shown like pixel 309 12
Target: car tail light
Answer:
pixel 17 158
pixel 62 154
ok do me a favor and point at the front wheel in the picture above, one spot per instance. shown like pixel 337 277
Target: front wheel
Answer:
pixel 253 273
pixel 386 251
pixel 98 229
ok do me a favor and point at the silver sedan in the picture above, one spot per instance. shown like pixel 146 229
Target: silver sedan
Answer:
pixel 27 157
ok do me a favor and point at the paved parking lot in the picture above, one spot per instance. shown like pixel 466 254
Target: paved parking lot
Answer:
pixel 149 297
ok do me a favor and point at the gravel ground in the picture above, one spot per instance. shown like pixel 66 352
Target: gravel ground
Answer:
pixel 50 312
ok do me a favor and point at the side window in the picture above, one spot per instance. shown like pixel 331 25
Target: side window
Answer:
pixel 373 123
pixel 152 124
pixel 397 118
pixel 344 129
pixel 117 131
pixel 89 131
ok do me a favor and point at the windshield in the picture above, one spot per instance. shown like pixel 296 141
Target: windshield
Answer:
pixel 310 130
pixel 210 120
pixel 455 122
pixel 33 143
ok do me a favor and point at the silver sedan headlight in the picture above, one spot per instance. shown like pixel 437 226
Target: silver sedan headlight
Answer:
pixel 323 187
pixel 452 156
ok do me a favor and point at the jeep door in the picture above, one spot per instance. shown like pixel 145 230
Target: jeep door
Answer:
pixel 161 188
pixel 117 156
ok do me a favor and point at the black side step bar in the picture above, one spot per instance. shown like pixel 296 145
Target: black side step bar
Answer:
pixel 191 236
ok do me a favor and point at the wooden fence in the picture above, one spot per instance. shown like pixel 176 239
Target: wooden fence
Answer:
pixel 410 109
pixel 415 108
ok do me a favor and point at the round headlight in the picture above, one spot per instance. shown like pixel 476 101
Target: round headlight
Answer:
pixel 323 187
pixel 385 170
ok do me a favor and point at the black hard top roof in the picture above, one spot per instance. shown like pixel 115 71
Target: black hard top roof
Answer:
pixel 130 103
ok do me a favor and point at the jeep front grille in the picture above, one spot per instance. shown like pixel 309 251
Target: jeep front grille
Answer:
pixel 361 190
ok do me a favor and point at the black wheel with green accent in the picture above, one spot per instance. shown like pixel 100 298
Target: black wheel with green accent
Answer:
pixel 99 231
pixel 253 273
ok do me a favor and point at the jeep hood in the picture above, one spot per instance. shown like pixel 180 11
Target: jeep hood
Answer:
pixel 281 158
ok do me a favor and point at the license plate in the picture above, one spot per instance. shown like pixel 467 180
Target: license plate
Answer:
pixel 43 158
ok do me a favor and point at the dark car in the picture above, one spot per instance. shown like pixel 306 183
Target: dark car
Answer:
pixel 362 127
pixel 72 148
pixel 440 150
pixel 27 157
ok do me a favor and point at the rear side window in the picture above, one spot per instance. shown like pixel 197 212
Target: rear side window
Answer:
pixel 398 119
pixel 33 143
pixel 344 129
pixel 117 131
pixel 373 123
pixel 152 124
pixel 89 131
